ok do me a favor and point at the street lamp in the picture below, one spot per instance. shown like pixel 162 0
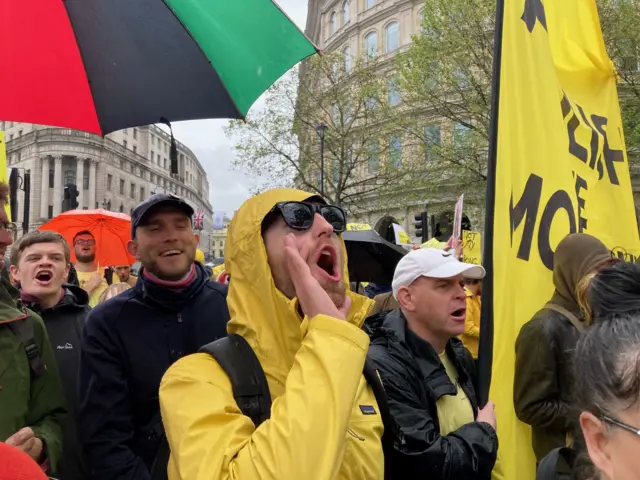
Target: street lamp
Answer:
pixel 321 128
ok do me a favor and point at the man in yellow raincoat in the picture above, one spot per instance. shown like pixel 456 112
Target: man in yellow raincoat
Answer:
pixel 289 299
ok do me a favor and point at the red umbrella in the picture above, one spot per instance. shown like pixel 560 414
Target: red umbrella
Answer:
pixel 111 230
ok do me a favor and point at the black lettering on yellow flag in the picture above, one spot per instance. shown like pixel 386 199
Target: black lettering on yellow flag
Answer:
pixel 560 167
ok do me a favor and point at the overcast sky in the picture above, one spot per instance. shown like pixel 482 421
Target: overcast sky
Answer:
pixel 228 187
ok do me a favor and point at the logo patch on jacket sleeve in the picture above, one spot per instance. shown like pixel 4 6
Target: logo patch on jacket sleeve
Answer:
pixel 367 410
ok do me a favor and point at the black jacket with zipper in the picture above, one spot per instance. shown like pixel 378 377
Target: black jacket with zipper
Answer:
pixel 64 323
pixel 414 380
pixel 128 344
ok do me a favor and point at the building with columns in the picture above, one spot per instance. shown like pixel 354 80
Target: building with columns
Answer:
pixel 115 172
pixel 382 29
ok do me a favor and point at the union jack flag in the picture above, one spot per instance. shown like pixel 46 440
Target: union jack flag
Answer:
pixel 198 220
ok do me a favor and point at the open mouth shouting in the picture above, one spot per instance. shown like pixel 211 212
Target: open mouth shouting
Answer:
pixel 326 264
pixel 459 315
pixel 44 277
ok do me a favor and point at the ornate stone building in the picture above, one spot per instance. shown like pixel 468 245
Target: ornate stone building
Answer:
pixel 380 28
pixel 115 172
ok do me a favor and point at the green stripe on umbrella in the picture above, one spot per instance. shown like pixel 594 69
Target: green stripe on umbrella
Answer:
pixel 250 65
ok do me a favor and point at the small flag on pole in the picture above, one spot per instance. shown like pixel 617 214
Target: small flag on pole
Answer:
pixel 198 220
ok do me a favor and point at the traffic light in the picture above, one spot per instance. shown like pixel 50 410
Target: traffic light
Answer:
pixel 421 227
pixel 70 201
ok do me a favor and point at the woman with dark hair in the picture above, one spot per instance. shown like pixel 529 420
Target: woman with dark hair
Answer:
pixel 543 376
pixel 607 378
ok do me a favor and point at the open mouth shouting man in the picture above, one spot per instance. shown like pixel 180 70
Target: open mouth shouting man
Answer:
pixel 444 433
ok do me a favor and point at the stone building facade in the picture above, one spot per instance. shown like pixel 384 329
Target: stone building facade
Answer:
pixel 115 172
pixel 380 28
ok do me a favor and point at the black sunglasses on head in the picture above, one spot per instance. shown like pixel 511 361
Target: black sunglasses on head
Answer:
pixel 300 215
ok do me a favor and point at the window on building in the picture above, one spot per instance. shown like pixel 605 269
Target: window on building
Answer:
pixel 392 37
pixel 125 131
pixel 395 151
pixel 165 163
pixel 333 23
pixel 19 155
pixel 121 164
pixel 109 181
pixel 135 149
pixel 135 133
pixel 345 12
pixel 461 135
pixel 19 133
pixel 11 137
pixel 369 3
pixel 346 53
pixel 121 187
pixel 460 79
pixel 431 141
pixel 121 209
pixel 371 44
pixel 393 92
pixel 69 177
pixel 50 213
pixel 142 196
pixel 373 154
pixel 85 180
pixel 166 148
pixel 158 159
pixel 52 175
pixel 153 140
pixel 133 190
pixel 151 156
pixel 124 143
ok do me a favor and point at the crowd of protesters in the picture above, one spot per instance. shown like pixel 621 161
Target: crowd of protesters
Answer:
pixel 285 373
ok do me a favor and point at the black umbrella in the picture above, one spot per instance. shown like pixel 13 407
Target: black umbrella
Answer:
pixel 371 257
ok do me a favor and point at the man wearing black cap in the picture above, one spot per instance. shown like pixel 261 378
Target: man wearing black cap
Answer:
pixel 130 341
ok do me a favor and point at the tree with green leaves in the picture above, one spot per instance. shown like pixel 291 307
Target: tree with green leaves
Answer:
pixel 365 158
pixel 445 76
pixel 620 20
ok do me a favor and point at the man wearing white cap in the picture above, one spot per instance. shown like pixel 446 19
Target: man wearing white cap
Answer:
pixel 428 375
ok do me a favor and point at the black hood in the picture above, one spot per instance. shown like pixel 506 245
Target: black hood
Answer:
pixel 75 298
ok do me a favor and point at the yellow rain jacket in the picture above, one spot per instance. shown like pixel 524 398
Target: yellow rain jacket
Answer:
pixel 317 429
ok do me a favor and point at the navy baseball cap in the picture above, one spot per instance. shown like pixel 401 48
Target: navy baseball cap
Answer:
pixel 140 213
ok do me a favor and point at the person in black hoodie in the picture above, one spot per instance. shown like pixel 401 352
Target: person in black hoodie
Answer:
pixel 40 263
pixel 131 340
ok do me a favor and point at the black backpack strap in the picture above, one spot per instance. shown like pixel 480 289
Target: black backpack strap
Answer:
pixel 23 329
pixel 392 434
pixel 250 387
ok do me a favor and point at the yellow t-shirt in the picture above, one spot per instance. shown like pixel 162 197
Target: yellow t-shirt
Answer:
pixel 83 279
pixel 456 411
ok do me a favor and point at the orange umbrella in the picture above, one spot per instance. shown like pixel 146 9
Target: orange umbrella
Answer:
pixel 111 230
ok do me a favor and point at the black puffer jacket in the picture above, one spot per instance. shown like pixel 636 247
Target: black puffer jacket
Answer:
pixel 414 379
pixel 64 324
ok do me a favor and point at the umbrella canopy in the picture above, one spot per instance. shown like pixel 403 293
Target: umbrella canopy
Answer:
pixel 371 257
pixel 105 65
pixel 111 230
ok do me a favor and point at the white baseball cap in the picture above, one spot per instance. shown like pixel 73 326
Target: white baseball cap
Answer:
pixel 432 263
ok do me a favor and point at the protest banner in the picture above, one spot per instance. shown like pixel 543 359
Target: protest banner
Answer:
pixel 557 165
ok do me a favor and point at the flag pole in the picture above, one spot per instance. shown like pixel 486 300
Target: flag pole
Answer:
pixel 485 349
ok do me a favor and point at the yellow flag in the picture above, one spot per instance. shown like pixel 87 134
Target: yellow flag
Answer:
pixel 3 169
pixel 561 167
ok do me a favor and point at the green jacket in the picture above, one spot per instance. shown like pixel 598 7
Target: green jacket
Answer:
pixel 37 403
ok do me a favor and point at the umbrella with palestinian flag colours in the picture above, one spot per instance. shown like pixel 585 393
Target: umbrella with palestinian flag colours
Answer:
pixel 105 65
